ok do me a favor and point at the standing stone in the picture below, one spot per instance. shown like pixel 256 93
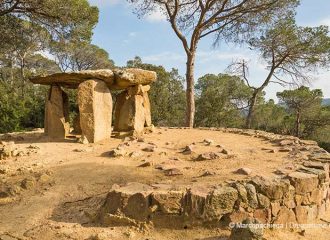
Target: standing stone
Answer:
pixel 132 110
pixel 95 107
pixel 147 108
pixel 57 113
pixel 76 125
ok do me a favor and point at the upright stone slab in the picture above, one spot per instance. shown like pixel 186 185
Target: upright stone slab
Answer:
pixel 95 107
pixel 132 110
pixel 57 113
pixel 146 104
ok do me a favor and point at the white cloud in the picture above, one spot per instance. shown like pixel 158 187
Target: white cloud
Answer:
pixel 325 21
pixel 164 56
pixel 322 81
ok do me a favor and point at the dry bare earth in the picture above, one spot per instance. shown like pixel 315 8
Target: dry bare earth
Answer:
pixel 59 188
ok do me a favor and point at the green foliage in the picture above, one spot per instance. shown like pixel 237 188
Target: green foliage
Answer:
pixel 292 50
pixel 219 100
pixel 301 100
pixel 62 19
pixel 167 95
pixel 271 117
pixel 77 56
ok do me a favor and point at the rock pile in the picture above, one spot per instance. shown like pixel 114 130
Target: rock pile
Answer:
pixel 10 149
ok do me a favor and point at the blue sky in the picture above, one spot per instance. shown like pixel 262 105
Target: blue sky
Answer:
pixel 124 36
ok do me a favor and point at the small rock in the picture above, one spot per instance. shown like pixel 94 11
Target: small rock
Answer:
pixel 163 153
pixel 44 178
pixel 146 164
pixel 83 140
pixel 285 149
pixel 135 154
pixel 28 183
pixel 33 147
pixel 187 150
pixel 118 152
pixel 224 151
pixel 269 150
pixel 151 148
pixel 207 156
pixel 175 159
pixel 15 153
pixel 207 173
pixel 208 142
pixel 79 150
pixel 287 142
pixel 173 172
pixel 244 171
pixel 159 166
pixel 3 170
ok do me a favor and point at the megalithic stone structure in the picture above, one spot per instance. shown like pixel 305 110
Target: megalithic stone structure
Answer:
pixel 95 107
pixel 132 108
pixel 57 113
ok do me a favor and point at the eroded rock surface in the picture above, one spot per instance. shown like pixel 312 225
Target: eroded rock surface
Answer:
pixel 95 107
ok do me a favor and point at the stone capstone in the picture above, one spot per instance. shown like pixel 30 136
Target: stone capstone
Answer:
pixel 115 79
pixel 73 79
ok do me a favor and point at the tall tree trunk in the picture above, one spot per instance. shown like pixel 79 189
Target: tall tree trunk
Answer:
pixel 250 115
pixel 190 94
pixel 298 122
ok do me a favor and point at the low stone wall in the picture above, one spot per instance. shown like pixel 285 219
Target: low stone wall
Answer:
pixel 302 196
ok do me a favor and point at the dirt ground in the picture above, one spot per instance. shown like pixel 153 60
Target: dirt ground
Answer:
pixel 65 182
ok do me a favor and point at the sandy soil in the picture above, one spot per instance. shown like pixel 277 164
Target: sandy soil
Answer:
pixel 71 181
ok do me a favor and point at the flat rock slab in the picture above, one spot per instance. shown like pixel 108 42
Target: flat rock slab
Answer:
pixel 115 79
pixel 73 79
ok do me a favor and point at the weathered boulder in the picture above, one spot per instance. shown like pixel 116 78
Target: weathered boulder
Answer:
pixel 132 200
pixel 306 214
pixel 271 188
pixel 221 201
pixel 125 78
pixel 95 107
pixel 284 216
pixel 57 113
pixel 252 195
pixel 303 182
pixel 168 202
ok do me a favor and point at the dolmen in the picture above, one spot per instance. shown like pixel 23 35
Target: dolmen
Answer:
pixel 94 122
